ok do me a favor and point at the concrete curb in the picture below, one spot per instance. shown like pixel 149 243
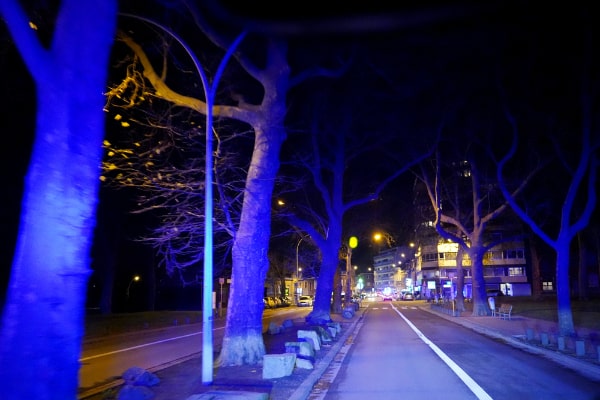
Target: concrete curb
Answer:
pixel 306 387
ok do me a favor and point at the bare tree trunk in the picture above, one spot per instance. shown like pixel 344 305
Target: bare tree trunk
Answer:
pixel 328 277
pixel 536 277
pixel 337 291
pixel 480 305
pixel 596 233
pixel 42 324
pixel 563 294
pixel 460 281
pixel 582 273
pixel 243 341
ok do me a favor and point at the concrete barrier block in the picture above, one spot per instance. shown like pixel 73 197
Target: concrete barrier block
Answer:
pixel 137 376
pixel 302 349
pixel 130 392
pixel 310 335
pixel 274 329
pixel 288 323
pixel 305 363
pixel 332 331
pixel 278 365
pixel 324 334
pixel 292 347
pixel 309 346
pixel 336 325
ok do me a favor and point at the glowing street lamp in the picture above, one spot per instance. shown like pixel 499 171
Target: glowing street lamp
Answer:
pixel 134 279
pixel 379 237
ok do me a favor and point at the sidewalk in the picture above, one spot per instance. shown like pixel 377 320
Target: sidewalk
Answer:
pixel 535 336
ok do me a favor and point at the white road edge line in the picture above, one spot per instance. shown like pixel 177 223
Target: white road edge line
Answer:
pixel 140 346
pixel 471 384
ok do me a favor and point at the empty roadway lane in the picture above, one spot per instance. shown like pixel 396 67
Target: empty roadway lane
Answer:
pixel 400 351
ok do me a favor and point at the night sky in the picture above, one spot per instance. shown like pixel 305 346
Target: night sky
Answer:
pixel 434 58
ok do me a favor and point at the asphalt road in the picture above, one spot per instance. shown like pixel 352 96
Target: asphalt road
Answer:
pixel 104 361
pixel 400 351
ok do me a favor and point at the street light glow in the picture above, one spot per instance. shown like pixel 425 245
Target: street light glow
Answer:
pixel 353 242
pixel 134 279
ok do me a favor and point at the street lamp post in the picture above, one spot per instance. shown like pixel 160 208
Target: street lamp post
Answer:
pixel 352 243
pixel 297 269
pixel 134 279
pixel 209 89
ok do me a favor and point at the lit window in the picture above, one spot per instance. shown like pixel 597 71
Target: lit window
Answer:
pixel 515 271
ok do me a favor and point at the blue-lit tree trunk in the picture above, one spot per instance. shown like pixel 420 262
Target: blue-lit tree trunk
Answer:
pixel 42 324
pixel 574 215
pixel 476 251
pixel 243 342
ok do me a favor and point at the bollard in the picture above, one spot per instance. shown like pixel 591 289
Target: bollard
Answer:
pixel 529 334
pixel 580 348
pixel 348 312
pixel 598 352
pixel 561 343
pixel 544 338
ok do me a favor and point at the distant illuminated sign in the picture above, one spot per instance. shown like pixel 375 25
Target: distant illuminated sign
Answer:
pixel 360 284
pixel 430 284
pixel 353 242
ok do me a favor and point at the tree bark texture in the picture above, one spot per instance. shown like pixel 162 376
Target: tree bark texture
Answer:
pixel 42 324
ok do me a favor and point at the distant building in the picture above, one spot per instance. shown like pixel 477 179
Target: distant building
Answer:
pixel 504 268
pixel 432 269
pixel 391 268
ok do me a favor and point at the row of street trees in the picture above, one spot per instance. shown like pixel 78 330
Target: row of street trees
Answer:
pixel 355 118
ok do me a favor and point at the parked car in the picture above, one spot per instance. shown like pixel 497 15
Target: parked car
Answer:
pixel 408 297
pixel 494 293
pixel 276 300
pixel 269 303
pixel 285 301
pixel 305 301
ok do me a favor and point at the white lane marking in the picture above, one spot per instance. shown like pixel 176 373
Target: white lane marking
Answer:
pixel 141 346
pixel 471 384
